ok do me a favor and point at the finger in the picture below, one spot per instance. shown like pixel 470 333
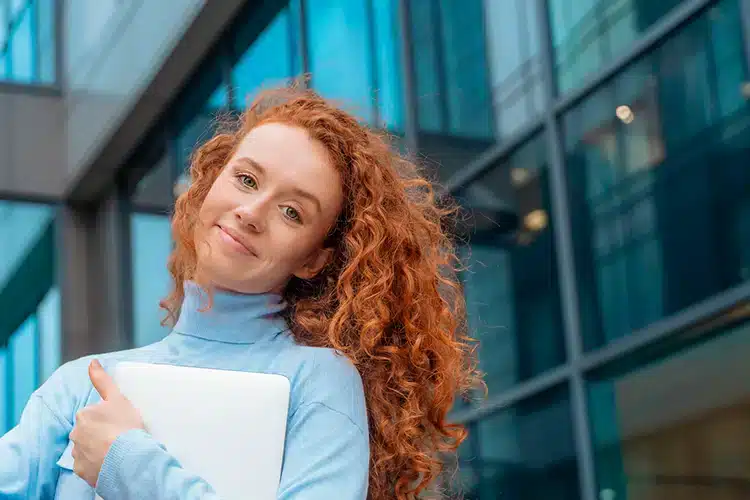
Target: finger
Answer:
pixel 102 382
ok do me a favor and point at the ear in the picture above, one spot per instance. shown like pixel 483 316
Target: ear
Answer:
pixel 315 263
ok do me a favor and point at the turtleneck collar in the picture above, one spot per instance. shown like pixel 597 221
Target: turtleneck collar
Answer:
pixel 233 317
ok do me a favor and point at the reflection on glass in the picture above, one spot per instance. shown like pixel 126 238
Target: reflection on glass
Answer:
pixel 525 452
pixel 678 427
pixel 658 182
pixel 266 63
pixel 48 317
pixel 23 355
pixel 515 64
pixel 450 58
pixel 27 41
pixel 339 54
pixel 4 392
pixel 151 244
pixel 346 66
pixel 587 35
pixel 155 191
pixel 21 225
pixel 511 285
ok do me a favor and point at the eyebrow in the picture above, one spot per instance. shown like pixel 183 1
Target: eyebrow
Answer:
pixel 296 190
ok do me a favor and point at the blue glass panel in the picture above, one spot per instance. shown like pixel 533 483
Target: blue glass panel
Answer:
pixel 151 244
pixel 266 63
pixel 22 49
pixel 23 352
pixel 219 99
pixel 46 39
pixel 48 316
pixel 17 5
pixel 4 392
pixel 389 90
pixel 658 180
pixel 589 34
pixel 21 224
pixel 339 56
pixel 524 452
pixel 672 422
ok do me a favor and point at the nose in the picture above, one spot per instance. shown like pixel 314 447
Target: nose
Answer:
pixel 251 215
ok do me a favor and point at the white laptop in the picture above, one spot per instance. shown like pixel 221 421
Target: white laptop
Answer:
pixel 227 427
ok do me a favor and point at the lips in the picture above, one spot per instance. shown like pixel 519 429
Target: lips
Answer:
pixel 236 240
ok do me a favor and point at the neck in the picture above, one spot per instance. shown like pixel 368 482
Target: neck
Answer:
pixel 226 316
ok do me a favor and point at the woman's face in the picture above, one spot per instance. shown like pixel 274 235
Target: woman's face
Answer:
pixel 268 212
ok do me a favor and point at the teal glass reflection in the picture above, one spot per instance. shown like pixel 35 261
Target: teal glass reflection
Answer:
pixel 525 452
pixel 25 370
pixel 266 63
pixel 388 85
pixel 151 244
pixel 50 340
pixel 587 35
pixel 339 55
pixel 513 44
pixel 27 41
pixel 511 283
pixel 657 180
pixel 675 425
pixel 4 392
pixel 450 63
pixel 21 226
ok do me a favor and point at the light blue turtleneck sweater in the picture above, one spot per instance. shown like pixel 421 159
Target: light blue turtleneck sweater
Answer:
pixel 326 453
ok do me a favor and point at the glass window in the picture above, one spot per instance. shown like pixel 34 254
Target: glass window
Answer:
pixel 46 37
pixel 27 41
pixel 587 35
pixel 339 53
pixel 21 225
pixel 49 324
pixel 151 244
pixel 676 427
pixel 4 392
pixel 388 85
pixel 25 370
pixel 451 68
pixel 266 63
pixel 354 57
pixel 155 191
pixel 515 64
pixel 524 452
pixel 511 282
pixel 22 43
pixel 657 180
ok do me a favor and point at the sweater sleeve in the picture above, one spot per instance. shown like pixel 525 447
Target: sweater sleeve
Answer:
pixel 326 456
pixel 29 453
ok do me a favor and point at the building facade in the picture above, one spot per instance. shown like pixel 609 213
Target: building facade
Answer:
pixel 599 149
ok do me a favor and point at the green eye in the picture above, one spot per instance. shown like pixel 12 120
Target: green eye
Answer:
pixel 248 181
pixel 292 214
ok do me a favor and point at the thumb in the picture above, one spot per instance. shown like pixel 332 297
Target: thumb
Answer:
pixel 102 382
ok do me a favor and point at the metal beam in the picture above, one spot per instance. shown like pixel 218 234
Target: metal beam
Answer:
pixel 667 327
pixel 565 261
pixel 519 392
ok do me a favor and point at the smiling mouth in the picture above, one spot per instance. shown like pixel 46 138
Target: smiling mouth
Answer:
pixel 234 242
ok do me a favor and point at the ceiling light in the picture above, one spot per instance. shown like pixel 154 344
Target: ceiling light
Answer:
pixel 625 114
pixel 519 176
pixel 536 220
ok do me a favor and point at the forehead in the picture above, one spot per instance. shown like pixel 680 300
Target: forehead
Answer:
pixel 287 152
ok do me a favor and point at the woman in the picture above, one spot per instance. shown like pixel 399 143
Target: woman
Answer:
pixel 303 247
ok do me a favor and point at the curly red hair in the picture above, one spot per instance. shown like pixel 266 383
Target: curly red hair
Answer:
pixel 389 299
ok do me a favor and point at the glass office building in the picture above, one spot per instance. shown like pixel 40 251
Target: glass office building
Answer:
pixel 600 150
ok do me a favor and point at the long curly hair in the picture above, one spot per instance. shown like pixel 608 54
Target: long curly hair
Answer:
pixel 389 299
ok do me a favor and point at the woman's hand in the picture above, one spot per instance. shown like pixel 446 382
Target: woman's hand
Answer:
pixel 99 425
